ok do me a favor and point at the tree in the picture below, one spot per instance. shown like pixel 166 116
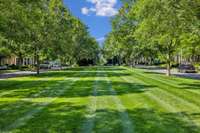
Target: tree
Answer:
pixel 45 30
pixel 161 23
pixel 148 30
pixel 13 25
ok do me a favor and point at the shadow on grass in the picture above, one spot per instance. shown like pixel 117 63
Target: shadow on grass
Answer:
pixel 121 88
pixel 152 121
pixel 28 88
pixel 145 121
pixel 81 88
pixel 57 117
pixel 81 74
pixel 69 117
pixel 100 68
pixel 23 88
pixel 191 86
pixel 12 110
pixel 154 73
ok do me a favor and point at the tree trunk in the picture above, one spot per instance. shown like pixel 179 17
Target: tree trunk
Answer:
pixel 168 64
pixel 133 63
pixel 168 68
pixel 0 61
pixel 119 61
pixel 20 61
pixel 38 64
pixel 193 55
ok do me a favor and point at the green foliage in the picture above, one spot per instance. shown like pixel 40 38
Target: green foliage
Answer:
pixel 155 29
pixel 45 30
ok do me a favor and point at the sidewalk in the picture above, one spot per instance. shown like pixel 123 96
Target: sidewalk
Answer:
pixel 178 74
pixel 173 72
pixel 16 74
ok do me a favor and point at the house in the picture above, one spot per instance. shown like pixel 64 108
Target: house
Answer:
pixel 14 60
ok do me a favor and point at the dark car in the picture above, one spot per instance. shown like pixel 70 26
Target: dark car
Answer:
pixel 187 68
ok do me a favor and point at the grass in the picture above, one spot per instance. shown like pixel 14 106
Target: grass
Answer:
pixel 100 99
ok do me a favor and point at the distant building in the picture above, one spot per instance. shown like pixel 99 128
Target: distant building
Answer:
pixel 14 60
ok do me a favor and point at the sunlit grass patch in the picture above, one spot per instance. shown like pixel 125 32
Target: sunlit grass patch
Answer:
pixel 100 99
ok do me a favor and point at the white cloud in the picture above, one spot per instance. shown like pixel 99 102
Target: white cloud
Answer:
pixel 100 39
pixel 101 8
pixel 85 10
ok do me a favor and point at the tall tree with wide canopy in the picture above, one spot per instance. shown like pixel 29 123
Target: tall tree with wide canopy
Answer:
pixel 44 29
pixel 162 22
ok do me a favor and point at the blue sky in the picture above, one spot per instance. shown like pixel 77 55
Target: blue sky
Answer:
pixel 95 14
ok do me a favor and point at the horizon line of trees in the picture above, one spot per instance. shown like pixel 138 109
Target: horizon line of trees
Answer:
pixel 155 31
pixel 44 30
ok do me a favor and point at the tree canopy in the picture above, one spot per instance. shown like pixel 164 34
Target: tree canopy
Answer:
pixel 151 30
pixel 44 29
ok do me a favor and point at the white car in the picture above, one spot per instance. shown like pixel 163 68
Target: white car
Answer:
pixel 56 67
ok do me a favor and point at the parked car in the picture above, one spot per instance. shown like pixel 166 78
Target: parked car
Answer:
pixel 186 68
pixel 45 66
pixel 56 67
pixel 3 67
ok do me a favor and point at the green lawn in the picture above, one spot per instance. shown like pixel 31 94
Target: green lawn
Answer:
pixel 100 99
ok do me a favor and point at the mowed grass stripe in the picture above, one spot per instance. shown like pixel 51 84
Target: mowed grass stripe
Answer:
pixel 172 103
pixel 172 97
pixel 53 92
pixel 88 125
pixel 65 114
pixel 175 82
pixel 161 98
pixel 184 94
pixel 146 100
pixel 163 92
pixel 178 83
pixel 182 83
pixel 17 107
pixel 124 116
pixel 23 119
pixel 102 101
pixel 106 117
pixel 189 86
pixel 18 85
pixel 16 104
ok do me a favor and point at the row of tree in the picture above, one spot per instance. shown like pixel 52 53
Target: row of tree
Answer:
pixel 44 30
pixel 152 30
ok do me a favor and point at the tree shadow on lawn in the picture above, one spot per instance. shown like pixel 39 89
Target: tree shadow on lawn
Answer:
pixel 190 86
pixel 95 68
pixel 56 117
pixel 81 74
pixel 144 121
pixel 12 110
pixel 152 121
pixel 68 117
pixel 84 88
pixel 81 88
pixel 14 88
pixel 157 73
